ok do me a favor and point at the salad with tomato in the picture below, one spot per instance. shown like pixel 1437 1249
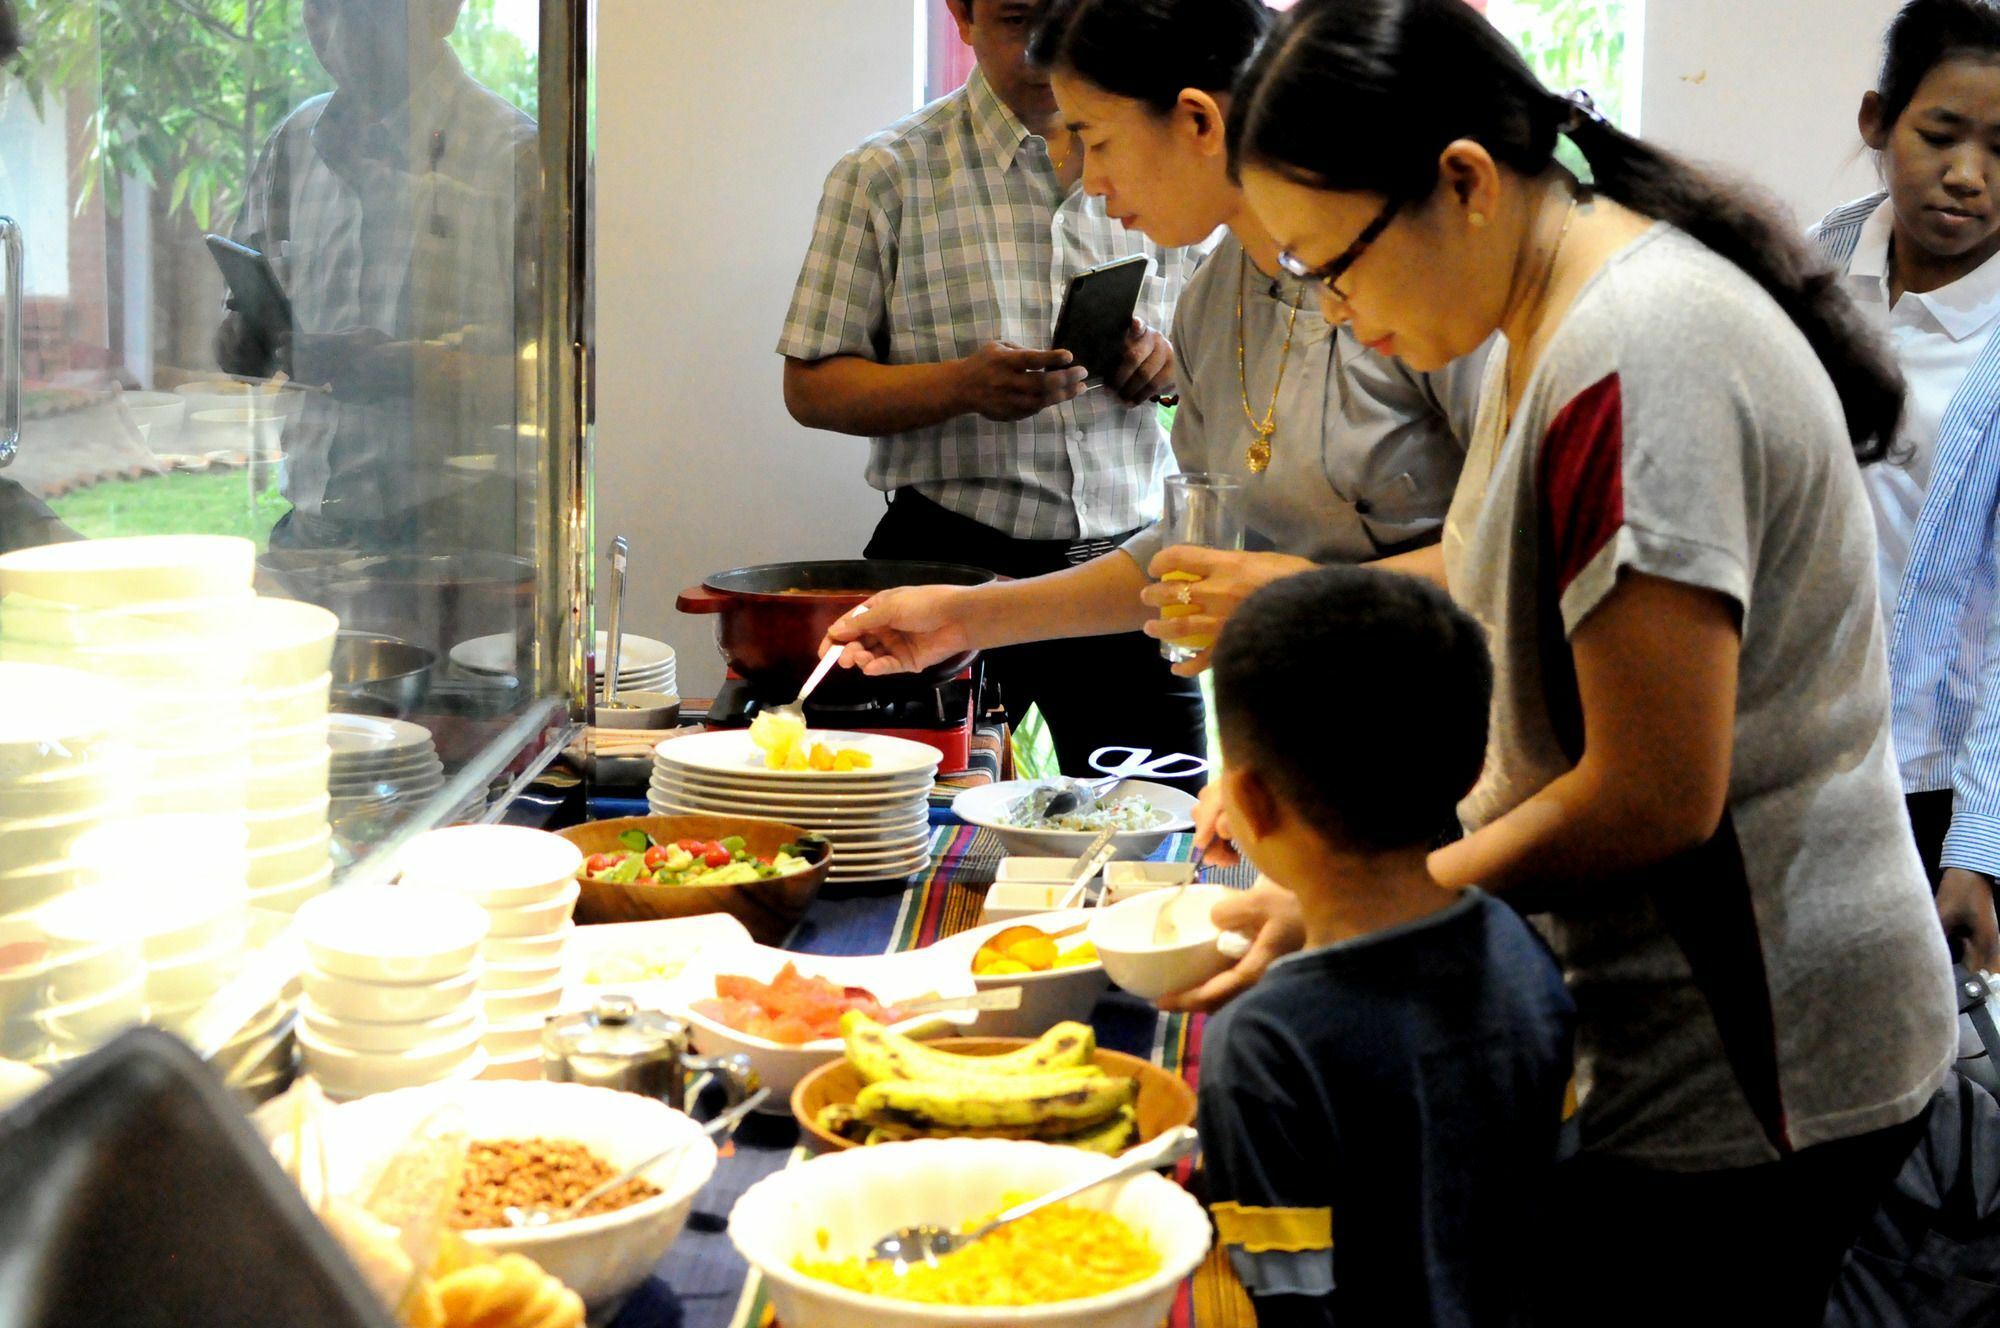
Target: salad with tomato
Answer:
pixel 725 861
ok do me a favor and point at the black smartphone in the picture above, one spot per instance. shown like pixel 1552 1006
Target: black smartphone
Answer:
pixel 254 291
pixel 1096 314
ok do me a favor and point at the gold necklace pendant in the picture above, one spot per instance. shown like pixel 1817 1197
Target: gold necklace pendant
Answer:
pixel 1258 455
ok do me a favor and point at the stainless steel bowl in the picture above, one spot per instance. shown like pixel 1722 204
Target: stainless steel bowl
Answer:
pixel 379 675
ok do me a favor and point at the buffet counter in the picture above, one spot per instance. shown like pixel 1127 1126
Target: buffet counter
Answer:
pixel 703 1282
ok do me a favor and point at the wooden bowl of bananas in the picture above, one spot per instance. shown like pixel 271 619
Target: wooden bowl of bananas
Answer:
pixel 1058 1088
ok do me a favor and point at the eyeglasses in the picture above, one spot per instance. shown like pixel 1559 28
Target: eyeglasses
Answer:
pixel 1330 273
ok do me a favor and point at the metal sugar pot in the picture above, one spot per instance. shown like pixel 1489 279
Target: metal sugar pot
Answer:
pixel 615 1044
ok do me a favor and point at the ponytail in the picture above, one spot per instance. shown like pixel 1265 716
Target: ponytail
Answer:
pixel 1750 231
pixel 1417 75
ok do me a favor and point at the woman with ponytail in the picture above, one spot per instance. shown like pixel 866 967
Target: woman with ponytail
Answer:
pixel 1662 527
pixel 1920 261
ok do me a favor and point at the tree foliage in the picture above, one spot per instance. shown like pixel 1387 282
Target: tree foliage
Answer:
pixel 183 93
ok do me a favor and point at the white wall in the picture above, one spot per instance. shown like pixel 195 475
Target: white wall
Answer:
pixel 717 123
pixel 1768 88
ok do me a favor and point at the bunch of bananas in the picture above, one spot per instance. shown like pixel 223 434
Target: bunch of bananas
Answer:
pixel 1050 1090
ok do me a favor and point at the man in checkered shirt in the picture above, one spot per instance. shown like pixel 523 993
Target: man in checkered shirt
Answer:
pixel 939 258
pixel 399 215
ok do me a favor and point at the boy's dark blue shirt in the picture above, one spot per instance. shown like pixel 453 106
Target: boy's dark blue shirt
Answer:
pixel 1381 1118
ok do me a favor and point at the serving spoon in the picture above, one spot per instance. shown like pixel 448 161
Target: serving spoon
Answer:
pixel 797 705
pixel 926 1242
pixel 541 1217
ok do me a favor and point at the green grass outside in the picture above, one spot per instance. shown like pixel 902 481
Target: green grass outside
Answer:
pixel 214 502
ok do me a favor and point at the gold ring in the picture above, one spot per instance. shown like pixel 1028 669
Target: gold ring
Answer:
pixel 1185 594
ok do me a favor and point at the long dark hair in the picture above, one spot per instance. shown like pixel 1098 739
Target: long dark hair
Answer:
pixel 1149 50
pixel 1923 35
pixel 1364 95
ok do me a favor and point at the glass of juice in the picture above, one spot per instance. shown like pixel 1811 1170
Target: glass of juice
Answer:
pixel 1204 509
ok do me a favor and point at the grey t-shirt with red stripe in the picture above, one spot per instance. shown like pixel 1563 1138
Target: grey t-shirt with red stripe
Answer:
pixel 1787 983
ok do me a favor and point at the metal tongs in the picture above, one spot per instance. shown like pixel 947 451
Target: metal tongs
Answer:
pixel 614 647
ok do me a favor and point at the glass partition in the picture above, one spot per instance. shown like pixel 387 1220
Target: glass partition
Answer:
pixel 306 274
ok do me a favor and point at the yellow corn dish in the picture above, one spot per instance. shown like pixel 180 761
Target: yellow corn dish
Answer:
pixel 1061 1253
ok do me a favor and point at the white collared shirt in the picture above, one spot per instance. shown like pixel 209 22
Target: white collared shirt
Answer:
pixel 1937 336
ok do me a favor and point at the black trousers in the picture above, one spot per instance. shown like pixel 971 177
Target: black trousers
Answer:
pixel 1754 1246
pixel 1093 691
pixel 1930 818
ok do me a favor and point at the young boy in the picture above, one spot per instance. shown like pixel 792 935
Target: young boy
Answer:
pixel 1381 1114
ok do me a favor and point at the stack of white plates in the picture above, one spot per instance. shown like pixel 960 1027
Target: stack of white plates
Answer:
pixel 525 880
pixel 878 818
pixel 377 759
pixel 391 989
pixel 644 665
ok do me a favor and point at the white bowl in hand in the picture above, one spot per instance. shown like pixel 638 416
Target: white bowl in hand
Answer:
pixel 853 1198
pixel 1189 954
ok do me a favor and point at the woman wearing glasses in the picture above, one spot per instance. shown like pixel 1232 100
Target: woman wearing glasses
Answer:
pixel 1345 455
pixel 1663 528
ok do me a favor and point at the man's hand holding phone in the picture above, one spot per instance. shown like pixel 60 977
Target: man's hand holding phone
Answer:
pixel 1005 382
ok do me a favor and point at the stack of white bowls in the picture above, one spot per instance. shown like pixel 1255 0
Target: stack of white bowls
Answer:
pixel 878 818
pixel 175 906
pixel 391 989
pixel 290 835
pixel 61 998
pixel 525 881
pixel 165 618
pixel 60 776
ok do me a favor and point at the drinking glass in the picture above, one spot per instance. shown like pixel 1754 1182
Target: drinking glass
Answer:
pixel 1204 509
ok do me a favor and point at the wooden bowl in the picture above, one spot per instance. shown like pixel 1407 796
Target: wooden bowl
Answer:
pixel 768 909
pixel 1165 1100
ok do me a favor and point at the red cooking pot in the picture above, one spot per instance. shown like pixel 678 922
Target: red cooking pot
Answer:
pixel 771 618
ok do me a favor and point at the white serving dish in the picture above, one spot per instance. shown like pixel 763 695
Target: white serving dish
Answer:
pixel 730 751
pixel 1010 901
pixel 100 572
pixel 848 1199
pixel 989 806
pixel 388 934
pixel 1123 935
pixel 375 1038
pixel 390 1002
pixel 527 951
pixel 780 1066
pixel 1047 998
pixel 352 1073
pixel 276 746
pixel 663 940
pixel 602 1258
pixel 530 920
pixel 289 783
pixel 1122 880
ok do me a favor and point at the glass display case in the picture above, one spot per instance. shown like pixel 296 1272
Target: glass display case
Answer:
pixel 309 275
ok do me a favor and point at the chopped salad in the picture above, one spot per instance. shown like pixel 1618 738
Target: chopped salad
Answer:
pixel 725 861
pixel 1131 812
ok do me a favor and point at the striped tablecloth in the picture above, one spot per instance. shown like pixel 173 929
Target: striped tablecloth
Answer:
pixel 702 1283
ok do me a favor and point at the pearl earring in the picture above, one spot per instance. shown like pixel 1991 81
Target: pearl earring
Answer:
pixel 1476 219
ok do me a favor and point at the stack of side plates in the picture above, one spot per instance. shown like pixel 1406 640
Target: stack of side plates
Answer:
pixel 877 818
pixel 375 760
pixel 644 665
